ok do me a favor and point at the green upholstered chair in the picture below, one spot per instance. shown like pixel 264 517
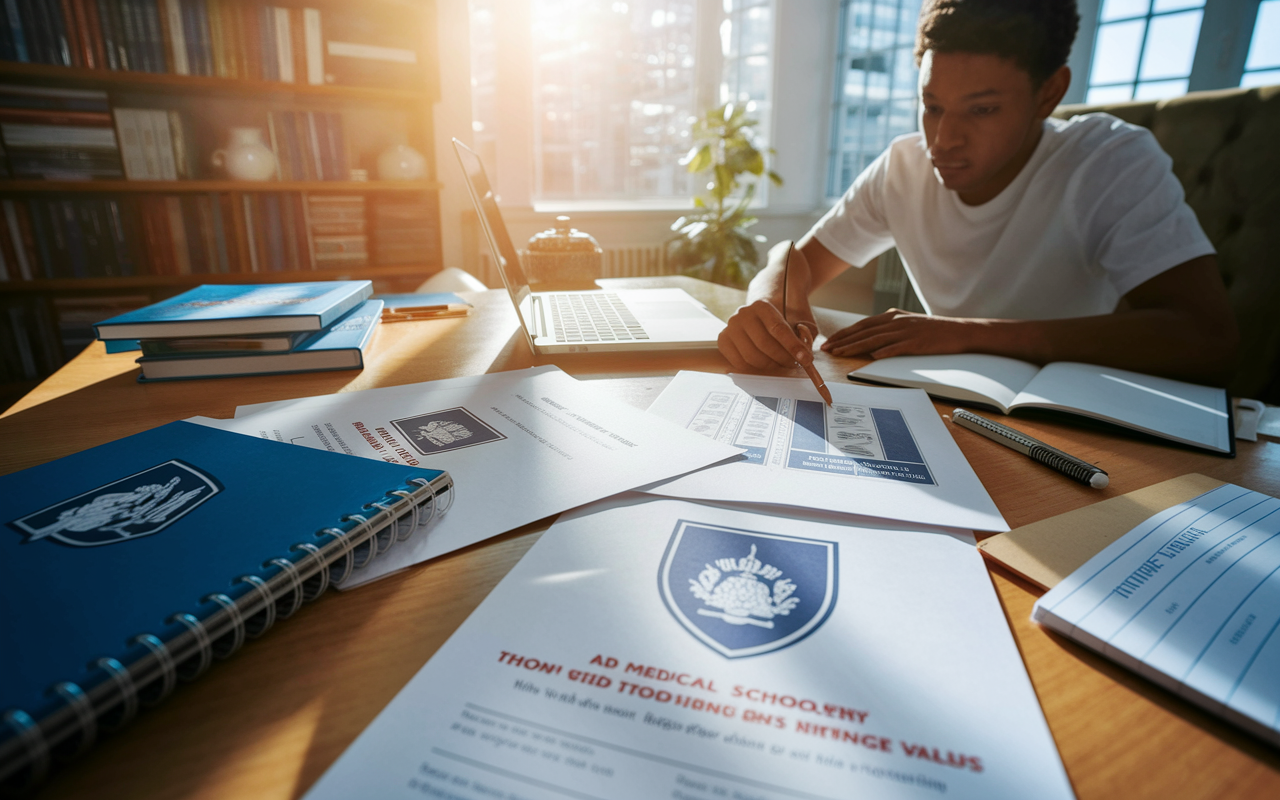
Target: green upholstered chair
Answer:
pixel 1225 147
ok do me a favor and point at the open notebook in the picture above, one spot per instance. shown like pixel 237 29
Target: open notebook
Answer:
pixel 1188 413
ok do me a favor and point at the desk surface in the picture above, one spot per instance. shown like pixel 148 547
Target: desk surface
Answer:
pixel 267 723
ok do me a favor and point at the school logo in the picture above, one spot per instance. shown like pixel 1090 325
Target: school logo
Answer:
pixel 746 593
pixel 144 503
pixel 441 431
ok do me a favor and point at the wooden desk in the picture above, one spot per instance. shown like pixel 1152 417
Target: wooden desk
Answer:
pixel 266 723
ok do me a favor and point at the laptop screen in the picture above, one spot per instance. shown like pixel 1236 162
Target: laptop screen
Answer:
pixel 504 252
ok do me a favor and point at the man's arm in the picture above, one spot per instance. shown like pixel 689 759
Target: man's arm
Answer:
pixel 757 336
pixel 1178 324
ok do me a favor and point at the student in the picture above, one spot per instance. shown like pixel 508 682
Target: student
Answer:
pixel 1029 237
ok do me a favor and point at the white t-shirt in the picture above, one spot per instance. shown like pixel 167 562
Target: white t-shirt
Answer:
pixel 1094 213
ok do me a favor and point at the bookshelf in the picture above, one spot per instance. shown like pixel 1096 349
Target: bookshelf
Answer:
pixel 378 60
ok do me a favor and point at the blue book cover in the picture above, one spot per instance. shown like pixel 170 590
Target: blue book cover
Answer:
pixel 233 309
pixel 406 302
pixel 129 559
pixel 341 346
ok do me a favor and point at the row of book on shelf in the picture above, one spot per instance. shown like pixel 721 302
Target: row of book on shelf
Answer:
pixel 215 233
pixel 214 38
pixel 75 134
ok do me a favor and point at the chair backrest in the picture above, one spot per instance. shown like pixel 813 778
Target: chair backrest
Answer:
pixel 1225 147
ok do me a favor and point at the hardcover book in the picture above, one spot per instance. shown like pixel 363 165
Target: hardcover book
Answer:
pixel 229 310
pixel 138 563
pixel 340 346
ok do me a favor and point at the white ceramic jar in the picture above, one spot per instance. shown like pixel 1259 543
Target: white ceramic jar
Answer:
pixel 401 162
pixel 246 157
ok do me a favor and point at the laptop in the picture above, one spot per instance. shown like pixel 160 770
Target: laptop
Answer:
pixel 592 321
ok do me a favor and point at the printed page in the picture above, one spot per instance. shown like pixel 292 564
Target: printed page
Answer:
pixel 1190 598
pixel 520 446
pixel 655 648
pixel 876 452
pixel 1183 412
pixel 974 377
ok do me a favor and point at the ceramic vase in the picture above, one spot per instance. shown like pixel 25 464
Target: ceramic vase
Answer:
pixel 246 157
pixel 401 163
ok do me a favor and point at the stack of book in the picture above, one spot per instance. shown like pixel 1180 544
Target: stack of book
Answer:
pixel 58 134
pixel 337 228
pixel 404 228
pixel 224 330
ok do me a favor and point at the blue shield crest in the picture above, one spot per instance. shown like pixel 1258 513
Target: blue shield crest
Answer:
pixel 144 503
pixel 746 593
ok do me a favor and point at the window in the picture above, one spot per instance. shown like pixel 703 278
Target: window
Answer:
pixel 875 91
pixel 615 86
pixel 1143 49
pixel 1262 67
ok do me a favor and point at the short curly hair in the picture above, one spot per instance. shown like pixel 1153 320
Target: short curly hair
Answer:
pixel 1035 34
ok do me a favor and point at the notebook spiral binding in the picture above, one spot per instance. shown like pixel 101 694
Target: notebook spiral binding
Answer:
pixel 153 663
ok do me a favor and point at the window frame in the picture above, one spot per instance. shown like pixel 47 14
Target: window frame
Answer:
pixel 1226 29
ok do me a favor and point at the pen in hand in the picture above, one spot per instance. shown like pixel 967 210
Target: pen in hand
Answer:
pixel 804 331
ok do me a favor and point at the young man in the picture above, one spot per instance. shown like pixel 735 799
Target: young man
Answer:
pixel 1025 236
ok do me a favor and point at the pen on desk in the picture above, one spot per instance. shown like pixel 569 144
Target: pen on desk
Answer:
pixel 1067 464
pixel 803 330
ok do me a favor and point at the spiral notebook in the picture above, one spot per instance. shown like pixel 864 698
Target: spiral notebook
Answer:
pixel 128 567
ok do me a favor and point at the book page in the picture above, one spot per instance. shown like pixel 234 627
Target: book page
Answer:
pixel 1191 599
pixel 1184 412
pixel 972 377
pixel 654 648
pixel 876 452
pixel 520 446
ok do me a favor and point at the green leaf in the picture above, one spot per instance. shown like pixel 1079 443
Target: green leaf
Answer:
pixel 698 159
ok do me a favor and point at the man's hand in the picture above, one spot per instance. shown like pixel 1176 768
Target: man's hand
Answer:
pixel 903 333
pixel 758 338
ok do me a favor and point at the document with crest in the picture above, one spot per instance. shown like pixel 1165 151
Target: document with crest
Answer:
pixel 655 648
pixel 521 445
pixel 875 452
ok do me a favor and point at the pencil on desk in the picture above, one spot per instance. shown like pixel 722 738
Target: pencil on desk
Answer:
pixel 1067 464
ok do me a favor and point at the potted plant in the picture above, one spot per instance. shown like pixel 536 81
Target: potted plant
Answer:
pixel 712 242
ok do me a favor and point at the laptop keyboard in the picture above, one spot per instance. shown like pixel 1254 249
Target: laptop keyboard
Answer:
pixel 598 317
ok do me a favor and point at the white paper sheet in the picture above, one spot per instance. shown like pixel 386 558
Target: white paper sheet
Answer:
pixel 892 674
pixel 1191 599
pixel 876 452
pixel 520 446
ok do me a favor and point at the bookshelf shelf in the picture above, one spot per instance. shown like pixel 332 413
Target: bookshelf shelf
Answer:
pixel 379 61
pixel 143 282
pixel 73 77
pixel 171 187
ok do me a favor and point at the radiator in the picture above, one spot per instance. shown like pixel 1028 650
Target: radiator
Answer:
pixel 626 261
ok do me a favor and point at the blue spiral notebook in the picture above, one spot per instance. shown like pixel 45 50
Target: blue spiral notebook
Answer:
pixel 130 566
